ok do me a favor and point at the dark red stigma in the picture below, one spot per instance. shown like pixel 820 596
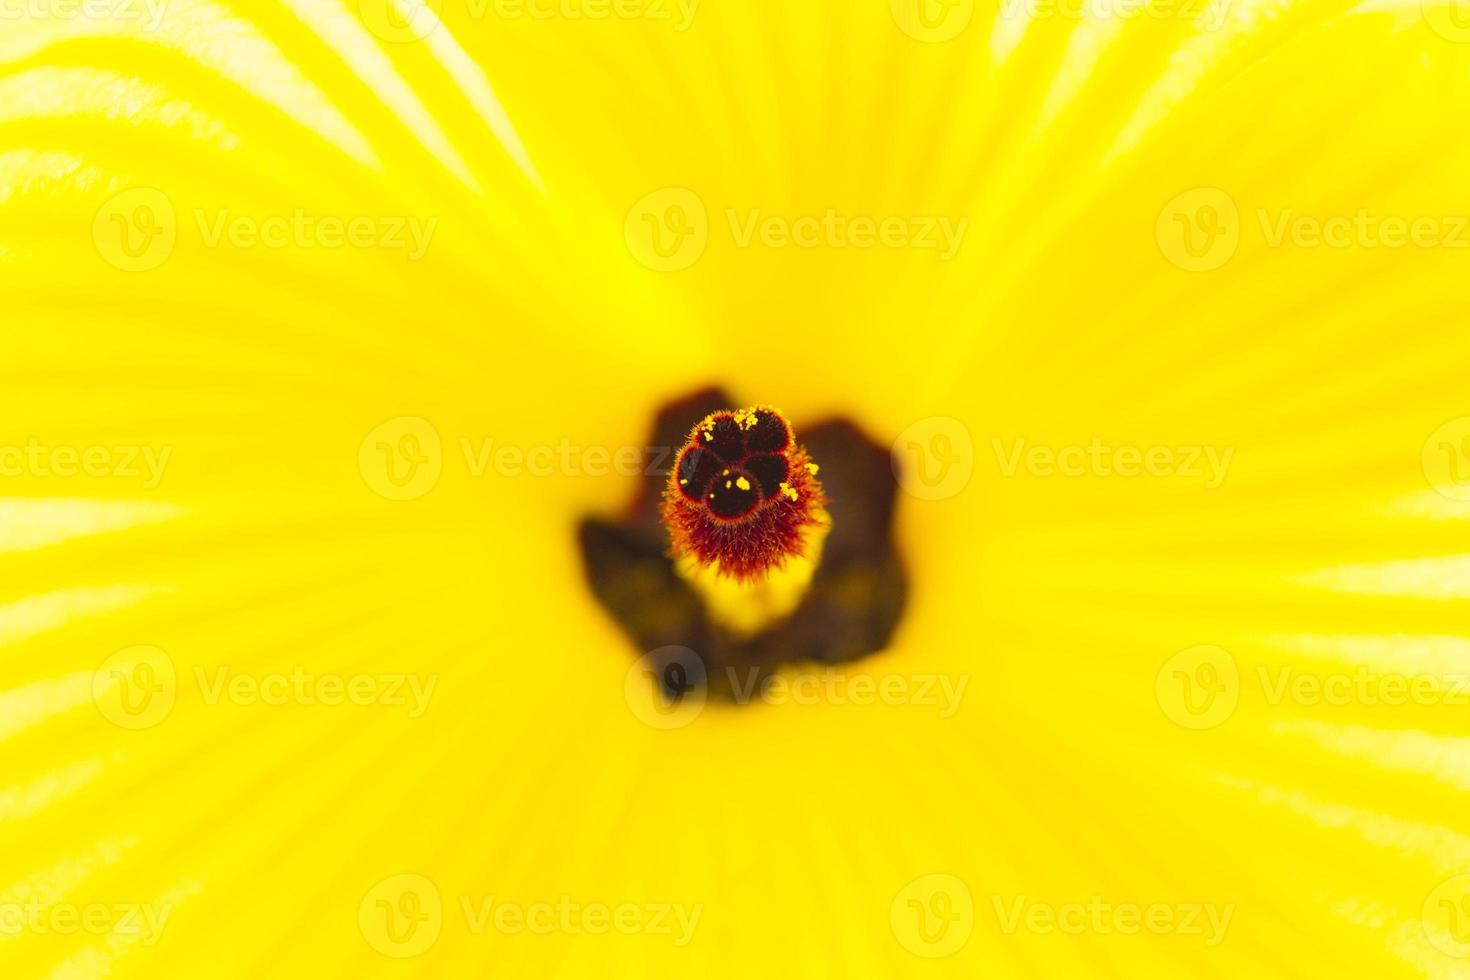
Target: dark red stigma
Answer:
pixel 742 493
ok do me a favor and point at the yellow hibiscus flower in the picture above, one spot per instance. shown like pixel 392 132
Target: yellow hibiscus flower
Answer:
pixel 329 323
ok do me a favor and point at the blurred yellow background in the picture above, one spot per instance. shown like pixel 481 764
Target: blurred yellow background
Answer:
pixel 326 321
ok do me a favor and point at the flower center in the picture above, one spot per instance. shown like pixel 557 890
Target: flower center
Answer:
pixel 743 497
pixel 734 549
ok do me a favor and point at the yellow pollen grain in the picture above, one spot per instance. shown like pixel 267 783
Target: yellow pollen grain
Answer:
pixel 727 484
pixel 812 468
pixel 742 483
pixel 788 490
